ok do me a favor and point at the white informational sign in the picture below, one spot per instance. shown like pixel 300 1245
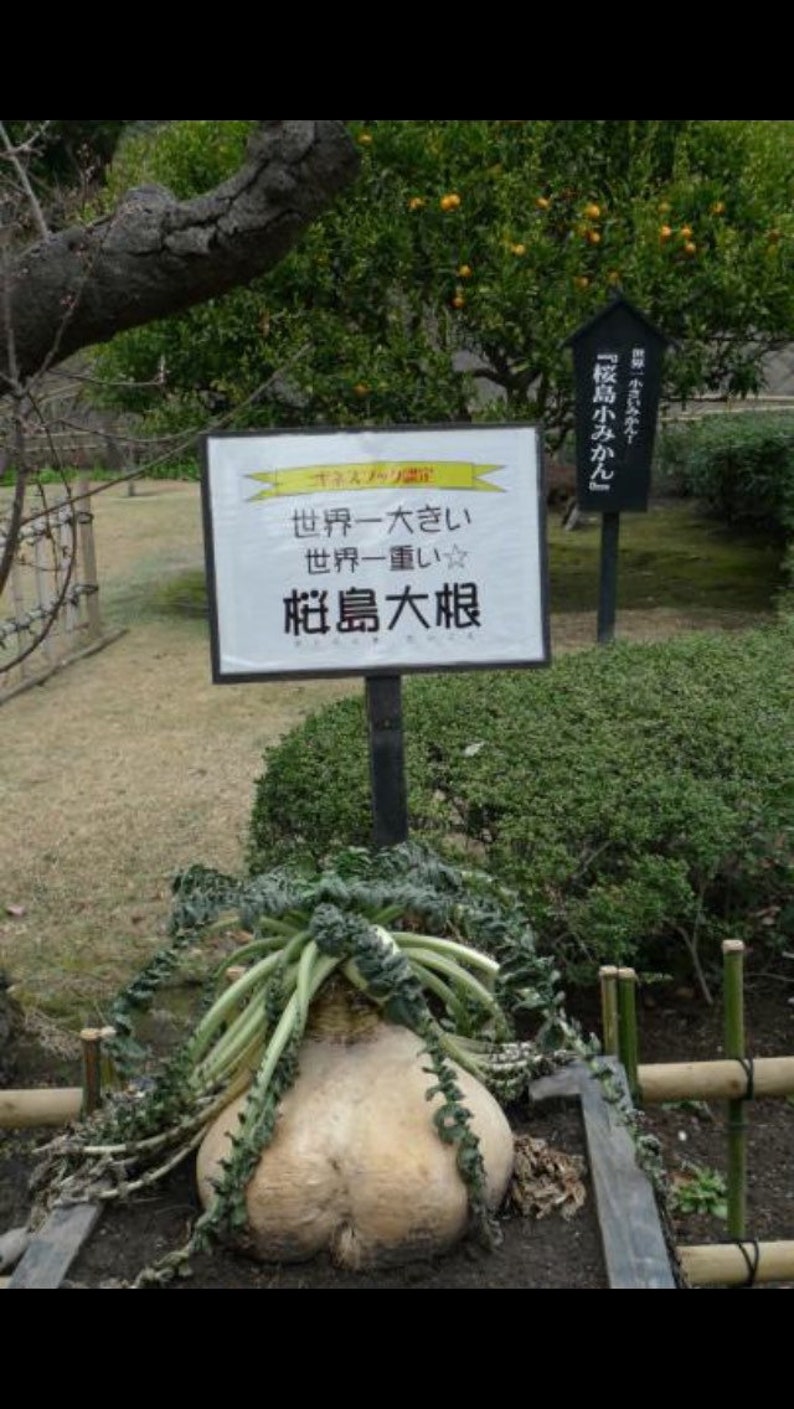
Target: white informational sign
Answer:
pixel 376 551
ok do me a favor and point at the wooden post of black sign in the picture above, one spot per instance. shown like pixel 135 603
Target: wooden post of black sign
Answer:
pixel 387 760
pixel 608 582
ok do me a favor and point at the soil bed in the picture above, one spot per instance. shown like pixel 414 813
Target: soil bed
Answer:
pixel 529 1255
pixel 560 1249
pixel 548 1253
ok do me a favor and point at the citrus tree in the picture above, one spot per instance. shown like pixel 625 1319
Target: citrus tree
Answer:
pixel 446 283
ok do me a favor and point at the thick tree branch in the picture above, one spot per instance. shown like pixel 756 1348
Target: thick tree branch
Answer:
pixel 157 256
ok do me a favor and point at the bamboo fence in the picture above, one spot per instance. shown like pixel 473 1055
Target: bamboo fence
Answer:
pixel 738 1080
pixel 49 612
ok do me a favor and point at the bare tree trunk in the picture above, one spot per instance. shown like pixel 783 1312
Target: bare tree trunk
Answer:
pixel 157 256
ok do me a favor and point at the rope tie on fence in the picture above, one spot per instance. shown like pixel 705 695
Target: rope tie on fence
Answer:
pixel 750 1261
pixel 747 1065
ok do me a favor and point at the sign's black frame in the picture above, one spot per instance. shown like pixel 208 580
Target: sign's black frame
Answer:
pixel 249 677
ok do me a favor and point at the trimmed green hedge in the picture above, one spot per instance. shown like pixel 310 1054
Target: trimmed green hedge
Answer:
pixel 640 798
pixel 741 465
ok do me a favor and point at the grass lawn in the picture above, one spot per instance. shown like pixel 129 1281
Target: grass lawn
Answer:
pixel 672 557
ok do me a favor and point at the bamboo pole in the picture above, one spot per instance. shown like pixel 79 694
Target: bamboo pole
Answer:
pixel 714 1081
pixel 41 592
pixel 627 1026
pixel 85 519
pixel 91 1039
pixel 21 1110
pixel 65 545
pixel 18 599
pixel 724 1264
pixel 608 976
pixel 733 963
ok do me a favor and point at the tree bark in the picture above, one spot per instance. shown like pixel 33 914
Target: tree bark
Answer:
pixel 156 256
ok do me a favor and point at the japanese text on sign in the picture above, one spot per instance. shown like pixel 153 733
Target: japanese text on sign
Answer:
pixel 345 565
pixel 605 426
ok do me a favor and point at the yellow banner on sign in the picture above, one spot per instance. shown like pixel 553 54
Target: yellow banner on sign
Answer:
pixel 379 474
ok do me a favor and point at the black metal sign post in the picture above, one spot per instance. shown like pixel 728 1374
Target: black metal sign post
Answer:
pixel 387 760
pixel 617 359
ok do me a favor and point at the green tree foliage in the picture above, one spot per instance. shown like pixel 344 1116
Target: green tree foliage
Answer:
pixel 466 254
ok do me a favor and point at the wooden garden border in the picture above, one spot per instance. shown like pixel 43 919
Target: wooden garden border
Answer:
pixel 635 1252
pixel 50 1254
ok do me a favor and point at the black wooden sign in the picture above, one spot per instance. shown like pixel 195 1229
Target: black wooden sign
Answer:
pixel 617 359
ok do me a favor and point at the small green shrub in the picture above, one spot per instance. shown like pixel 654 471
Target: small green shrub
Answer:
pixel 640 799
pixel 741 465
pixel 698 1189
